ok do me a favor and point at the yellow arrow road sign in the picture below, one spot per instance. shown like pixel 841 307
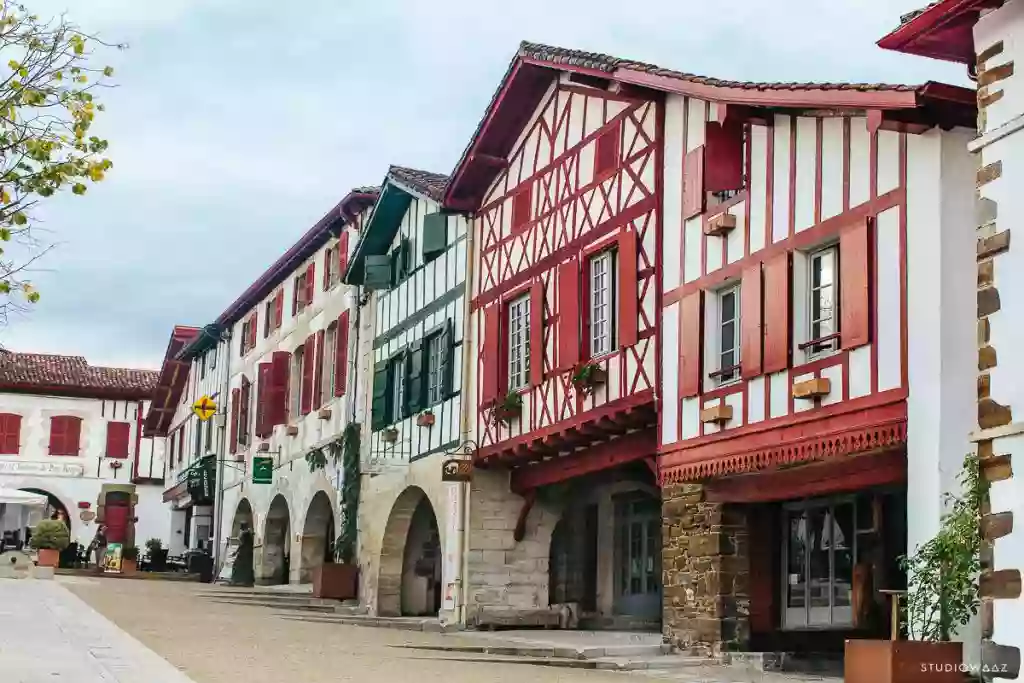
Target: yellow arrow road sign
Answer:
pixel 204 408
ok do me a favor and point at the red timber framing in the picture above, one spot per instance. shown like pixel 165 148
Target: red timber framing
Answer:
pixel 943 30
pixel 170 384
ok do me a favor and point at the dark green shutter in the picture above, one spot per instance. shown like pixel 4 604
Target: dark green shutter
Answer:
pixel 405 251
pixel 377 272
pixel 379 410
pixel 396 267
pixel 435 235
pixel 416 380
pixel 448 359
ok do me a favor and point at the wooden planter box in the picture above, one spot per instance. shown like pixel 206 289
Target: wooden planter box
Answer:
pixel 129 566
pixel 390 435
pixel 903 661
pixel 48 557
pixel 336 581
pixel 425 420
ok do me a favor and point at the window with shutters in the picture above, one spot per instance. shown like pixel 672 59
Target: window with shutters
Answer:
pixel 243 344
pixel 299 296
pixel 118 439
pixel 295 384
pixel 10 434
pixel 398 393
pixel 202 366
pixel 728 335
pixel 601 288
pixel 327 370
pixel 519 343
pixel 435 236
pixel 725 161
pixel 822 303
pixel 435 369
pixel 65 433
pixel 331 274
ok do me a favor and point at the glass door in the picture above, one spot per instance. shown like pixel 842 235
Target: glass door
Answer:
pixel 821 549
pixel 638 556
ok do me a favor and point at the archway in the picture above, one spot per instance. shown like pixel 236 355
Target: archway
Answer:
pixel 276 546
pixel 243 515
pixel 242 565
pixel 572 558
pixel 317 536
pixel 410 558
pixel 55 509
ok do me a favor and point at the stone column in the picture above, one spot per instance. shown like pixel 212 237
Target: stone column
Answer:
pixel 705 569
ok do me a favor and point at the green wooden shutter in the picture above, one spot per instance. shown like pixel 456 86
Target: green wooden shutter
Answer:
pixel 396 267
pixel 435 235
pixel 447 359
pixel 416 380
pixel 377 272
pixel 379 409
pixel 405 256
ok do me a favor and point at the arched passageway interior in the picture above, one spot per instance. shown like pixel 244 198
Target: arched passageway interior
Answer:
pixel 276 546
pixel 410 562
pixel 243 515
pixel 317 536
pixel 17 536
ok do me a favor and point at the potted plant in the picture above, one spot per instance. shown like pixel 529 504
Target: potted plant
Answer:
pixel 157 555
pixel 50 537
pixel 425 419
pixel 339 580
pixel 942 595
pixel 129 559
pixel 587 377
pixel 390 435
pixel 504 410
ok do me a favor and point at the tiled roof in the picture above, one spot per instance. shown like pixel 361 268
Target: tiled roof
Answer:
pixel 608 64
pixel 910 16
pixel 431 184
pixel 70 372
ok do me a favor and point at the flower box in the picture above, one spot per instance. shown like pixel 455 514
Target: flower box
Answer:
pixel 390 435
pixel 425 419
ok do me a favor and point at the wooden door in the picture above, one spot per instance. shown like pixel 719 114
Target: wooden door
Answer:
pixel 116 520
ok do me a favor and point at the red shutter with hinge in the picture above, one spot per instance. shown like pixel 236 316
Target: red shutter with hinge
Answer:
pixel 308 357
pixel 568 314
pixel 693 183
pixel 245 400
pixel 491 353
pixel 341 355
pixel 776 314
pixel 691 330
pixel 751 334
pixel 278 309
pixel 723 156
pixel 318 373
pixel 342 254
pixel 326 277
pixel 310 278
pixel 58 434
pixel 11 424
pixel 118 438
pixel 264 377
pixel 536 333
pixel 854 289
pixel 277 399
pixel 233 445
pixel 628 323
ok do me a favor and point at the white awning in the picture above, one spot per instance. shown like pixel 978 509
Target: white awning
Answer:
pixel 18 497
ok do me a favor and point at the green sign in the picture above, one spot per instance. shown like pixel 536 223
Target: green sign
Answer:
pixel 202 479
pixel 262 470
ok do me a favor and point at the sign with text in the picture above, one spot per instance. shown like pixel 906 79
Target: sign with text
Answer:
pixel 457 470
pixel 45 469
pixel 262 470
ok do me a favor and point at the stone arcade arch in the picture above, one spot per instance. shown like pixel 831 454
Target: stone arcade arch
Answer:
pixel 243 514
pixel 410 558
pixel 317 536
pixel 276 543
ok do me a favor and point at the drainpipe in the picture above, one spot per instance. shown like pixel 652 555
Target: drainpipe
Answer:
pixel 462 579
pixel 218 516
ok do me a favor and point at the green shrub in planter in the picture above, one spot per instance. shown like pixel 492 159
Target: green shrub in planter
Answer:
pixel 130 552
pixel 50 534
pixel 154 544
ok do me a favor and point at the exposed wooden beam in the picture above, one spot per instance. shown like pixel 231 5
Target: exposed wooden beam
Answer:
pixel 602 456
pixel 489 160
pixel 520 531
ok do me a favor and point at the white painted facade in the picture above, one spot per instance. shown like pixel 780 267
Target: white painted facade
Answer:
pixel 78 480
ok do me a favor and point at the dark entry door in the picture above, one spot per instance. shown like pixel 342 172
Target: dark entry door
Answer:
pixel 638 555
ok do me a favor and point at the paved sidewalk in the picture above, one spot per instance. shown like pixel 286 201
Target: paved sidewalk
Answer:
pixel 49 635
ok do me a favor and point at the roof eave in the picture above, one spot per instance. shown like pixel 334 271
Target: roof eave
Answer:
pixel 956 44
pixel 375 231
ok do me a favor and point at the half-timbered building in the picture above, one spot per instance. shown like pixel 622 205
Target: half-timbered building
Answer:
pixel 290 398
pixel 987 36
pixel 411 262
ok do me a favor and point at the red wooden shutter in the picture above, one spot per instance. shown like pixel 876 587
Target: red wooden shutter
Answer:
pixel 776 314
pixel 58 435
pixel 491 353
pixel 751 334
pixel 318 376
pixel 253 326
pixel 233 445
pixel 536 333
pixel 568 314
pixel 522 206
pixel 342 254
pixel 73 435
pixel 341 355
pixel 306 397
pixel 723 156
pixel 310 276
pixel 11 438
pixel 244 419
pixel 628 322
pixel 693 183
pixel 278 309
pixel 118 438
pixel 325 283
pixel 277 399
pixel 691 327
pixel 606 152
pixel 854 269
pixel 264 427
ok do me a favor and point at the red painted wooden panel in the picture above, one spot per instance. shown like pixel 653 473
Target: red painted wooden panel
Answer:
pixel 310 275
pixel 762 532
pixel 751 333
pixel 693 183
pixel 854 288
pixel 691 319
pixel 342 253
pixel 280 376
pixel 318 372
pixel 569 314
pixel 628 290
pixel 233 445
pixel 245 421
pixel 10 440
pixel 536 333
pixel 65 431
pixel 723 157
pixel 278 309
pixel 308 357
pixel 776 313
pixel 118 438
pixel 341 355
pixel 115 519
pixel 606 153
pixel 253 326
pixel 491 353
pixel 522 207
pixel 264 379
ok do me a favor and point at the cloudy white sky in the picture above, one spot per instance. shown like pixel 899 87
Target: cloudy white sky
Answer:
pixel 237 123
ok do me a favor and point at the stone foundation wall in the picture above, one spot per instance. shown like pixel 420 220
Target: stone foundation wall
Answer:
pixel 706 569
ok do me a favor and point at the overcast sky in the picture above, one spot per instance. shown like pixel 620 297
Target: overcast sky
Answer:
pixel 236 124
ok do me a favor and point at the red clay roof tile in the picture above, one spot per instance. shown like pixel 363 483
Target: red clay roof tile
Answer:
pixel 43 370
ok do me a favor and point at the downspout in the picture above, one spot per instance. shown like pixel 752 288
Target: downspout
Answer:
pixel 223 343
pixel 462 579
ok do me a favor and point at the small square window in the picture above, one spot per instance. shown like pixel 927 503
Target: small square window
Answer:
pixel 519 343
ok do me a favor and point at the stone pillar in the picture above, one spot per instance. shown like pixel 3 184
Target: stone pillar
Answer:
pixel 705 569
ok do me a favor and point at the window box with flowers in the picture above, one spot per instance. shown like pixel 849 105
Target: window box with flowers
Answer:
pixel 587 377
pixel 505 410
pixel 425 419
